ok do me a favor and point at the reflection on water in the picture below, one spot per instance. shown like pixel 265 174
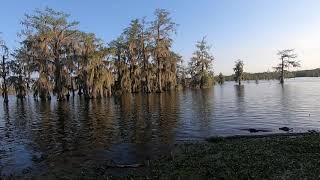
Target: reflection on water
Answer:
pixel 239 90
pixel 37 135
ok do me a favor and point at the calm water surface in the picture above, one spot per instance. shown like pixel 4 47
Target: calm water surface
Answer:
pixel 36 136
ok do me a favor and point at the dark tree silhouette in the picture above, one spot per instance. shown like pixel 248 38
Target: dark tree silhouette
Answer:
pixel 238 71
pixel 287 58
pixel 4 71
pixel 220 78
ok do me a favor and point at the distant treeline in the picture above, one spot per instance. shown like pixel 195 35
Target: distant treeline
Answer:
pixel 307 73
pixel 276 75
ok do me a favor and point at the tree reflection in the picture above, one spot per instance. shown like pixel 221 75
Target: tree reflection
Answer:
pixel 103 123
pixel 285 105
pixel 125 116
pixel 240 104
pixel 6 117
pixel 62 111
pixel 21 120
pixel 168 115
pixel 202 104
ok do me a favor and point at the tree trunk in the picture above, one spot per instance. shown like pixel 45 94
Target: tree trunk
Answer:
pixel 145 84
pixel 4 77
pixel 79 91
pixel 21 93
pixel 159 77
pixel 85 84
pixel 159 61
pixel 58 80
pixel 71 86
pixel 202 77
pixel 5 92
pixel 282 72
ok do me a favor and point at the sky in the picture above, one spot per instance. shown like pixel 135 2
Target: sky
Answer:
pixel 250 30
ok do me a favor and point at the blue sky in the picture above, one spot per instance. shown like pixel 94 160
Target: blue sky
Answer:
pixel 251 30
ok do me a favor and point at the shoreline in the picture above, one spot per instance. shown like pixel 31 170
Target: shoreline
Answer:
pixel 266 156
pixel 263 156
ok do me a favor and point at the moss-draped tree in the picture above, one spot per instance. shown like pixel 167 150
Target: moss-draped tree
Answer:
pixel 53 31
pixel 57 58
pixel 161 30
pixel 201 65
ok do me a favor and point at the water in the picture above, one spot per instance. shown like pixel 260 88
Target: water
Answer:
pixel 36 136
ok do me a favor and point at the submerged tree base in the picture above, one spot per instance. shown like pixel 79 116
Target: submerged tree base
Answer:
pixel 294 156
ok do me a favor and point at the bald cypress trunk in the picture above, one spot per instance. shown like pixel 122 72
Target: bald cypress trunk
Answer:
pixel 58 79
pixel 159 88
pixel 4 78
pixel 282 71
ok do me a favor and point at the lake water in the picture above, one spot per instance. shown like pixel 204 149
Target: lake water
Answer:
pixel 35 135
